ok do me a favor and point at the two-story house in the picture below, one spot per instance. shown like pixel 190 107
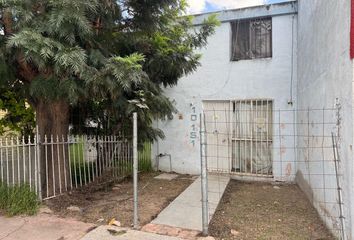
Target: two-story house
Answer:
pixel 274 90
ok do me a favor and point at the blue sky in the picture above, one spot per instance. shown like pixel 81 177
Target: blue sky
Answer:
pixel 199 6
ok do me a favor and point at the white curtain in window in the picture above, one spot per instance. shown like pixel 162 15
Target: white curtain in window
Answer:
pixel 252 137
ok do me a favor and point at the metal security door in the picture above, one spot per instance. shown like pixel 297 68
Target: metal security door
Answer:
pixel 252 137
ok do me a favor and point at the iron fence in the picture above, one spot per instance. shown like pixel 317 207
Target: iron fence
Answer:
pixel 19 162
pixel 53 165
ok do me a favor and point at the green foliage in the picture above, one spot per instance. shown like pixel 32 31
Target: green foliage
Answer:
pixel 107 59
pixel 19 116
pixel 81 169
pixel 16 200
pixel 144 158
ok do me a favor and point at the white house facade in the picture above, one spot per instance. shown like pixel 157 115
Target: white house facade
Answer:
pixel 274 89
pixel 219 78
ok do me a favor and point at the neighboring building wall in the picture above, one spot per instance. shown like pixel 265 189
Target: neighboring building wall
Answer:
pixel 220 79
pixel 325 77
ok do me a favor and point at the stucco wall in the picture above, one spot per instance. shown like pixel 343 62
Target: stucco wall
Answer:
pixel 324 75
pixel 220 79
pixel 323 79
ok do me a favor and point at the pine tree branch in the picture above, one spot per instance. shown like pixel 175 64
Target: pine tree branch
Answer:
pixel 7 22
pixel 97 25
pixel 25 70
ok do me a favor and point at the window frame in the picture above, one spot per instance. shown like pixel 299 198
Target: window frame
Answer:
pixel 249 20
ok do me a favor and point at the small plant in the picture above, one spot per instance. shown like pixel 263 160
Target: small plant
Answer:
pixel 15 200
pixel 145 158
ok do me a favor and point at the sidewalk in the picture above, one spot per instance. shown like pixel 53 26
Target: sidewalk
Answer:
pixel 42 227
pixel 186 210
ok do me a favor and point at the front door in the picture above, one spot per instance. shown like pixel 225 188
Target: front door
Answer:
pixel 239 136
pixel 252 137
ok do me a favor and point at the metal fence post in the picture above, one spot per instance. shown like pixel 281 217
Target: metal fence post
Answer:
pixel 38 163
pixel 204 177
pixel 339 188
pixel 135 167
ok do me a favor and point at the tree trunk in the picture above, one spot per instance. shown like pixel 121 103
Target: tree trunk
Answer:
pixel 53 126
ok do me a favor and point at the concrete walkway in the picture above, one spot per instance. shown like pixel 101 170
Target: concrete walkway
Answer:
pixel 186 210
pixel 184 213
pixel 42 227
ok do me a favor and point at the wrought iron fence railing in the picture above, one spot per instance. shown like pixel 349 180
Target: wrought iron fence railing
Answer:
pixel 52 165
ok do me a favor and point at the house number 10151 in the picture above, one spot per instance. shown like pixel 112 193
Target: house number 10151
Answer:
pixel 193 135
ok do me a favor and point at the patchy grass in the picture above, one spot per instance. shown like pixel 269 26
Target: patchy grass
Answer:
pixel 262 211
pixel 16 200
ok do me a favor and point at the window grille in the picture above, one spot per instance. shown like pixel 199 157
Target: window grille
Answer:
pixel 252 137
pixel 251 39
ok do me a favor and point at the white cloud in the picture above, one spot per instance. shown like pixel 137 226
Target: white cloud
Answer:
pixel 198 6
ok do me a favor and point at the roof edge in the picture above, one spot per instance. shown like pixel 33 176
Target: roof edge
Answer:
pixel 275 9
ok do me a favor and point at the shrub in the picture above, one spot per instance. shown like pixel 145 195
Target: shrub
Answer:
pixel 145 158
pixel 15 200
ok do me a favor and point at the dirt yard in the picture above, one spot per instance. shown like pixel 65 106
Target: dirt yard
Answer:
pixel 263 211
pixel 100 204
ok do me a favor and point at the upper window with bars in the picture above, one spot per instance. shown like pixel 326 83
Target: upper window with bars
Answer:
pixel 251 39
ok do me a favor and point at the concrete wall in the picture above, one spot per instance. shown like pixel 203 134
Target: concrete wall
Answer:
pixel 324 75
pixel 220 79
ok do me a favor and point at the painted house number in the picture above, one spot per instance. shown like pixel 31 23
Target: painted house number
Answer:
pixel 193 135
